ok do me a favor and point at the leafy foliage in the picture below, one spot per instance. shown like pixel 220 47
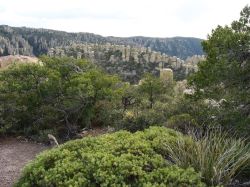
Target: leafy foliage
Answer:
pixel 61 94
pixel 151 87
pixel 119 159
pixel 183 122
pixel 225 73
pixel 145 104
pixel 64 95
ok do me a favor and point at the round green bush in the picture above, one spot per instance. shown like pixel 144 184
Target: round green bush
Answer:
pixel 118 159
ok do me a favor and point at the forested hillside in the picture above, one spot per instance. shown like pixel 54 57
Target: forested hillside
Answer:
pixel 30 41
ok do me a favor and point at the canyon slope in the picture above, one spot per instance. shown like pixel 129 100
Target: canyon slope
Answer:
pixel 30 41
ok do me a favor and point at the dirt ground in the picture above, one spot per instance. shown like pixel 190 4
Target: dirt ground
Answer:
pixel 14 154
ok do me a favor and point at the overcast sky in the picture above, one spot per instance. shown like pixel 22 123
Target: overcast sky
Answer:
pixel 156 18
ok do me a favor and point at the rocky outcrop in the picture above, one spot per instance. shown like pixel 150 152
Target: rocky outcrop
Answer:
pixel 6 61
pixel 113 53
pixel 192 62
pixel 166 75
pixel 128 61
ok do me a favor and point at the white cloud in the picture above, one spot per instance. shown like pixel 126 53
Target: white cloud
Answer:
pixel 162 18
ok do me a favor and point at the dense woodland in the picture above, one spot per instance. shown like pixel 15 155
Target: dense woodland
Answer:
pixel 163 135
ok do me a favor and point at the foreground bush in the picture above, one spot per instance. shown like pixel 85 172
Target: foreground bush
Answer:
pixel 217 157
pixel 119 159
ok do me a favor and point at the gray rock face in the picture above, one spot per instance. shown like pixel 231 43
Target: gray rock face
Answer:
pixel 128 61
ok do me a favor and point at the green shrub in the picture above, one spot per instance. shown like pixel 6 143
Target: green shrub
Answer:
pixel 219 158
pixel 118 159
pixel 134 121
pixel 63 95
pixel 183 122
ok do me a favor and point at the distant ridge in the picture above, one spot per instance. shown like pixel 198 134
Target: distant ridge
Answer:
pixel 35 42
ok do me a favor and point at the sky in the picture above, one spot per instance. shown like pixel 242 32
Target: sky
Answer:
pixel 154 18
